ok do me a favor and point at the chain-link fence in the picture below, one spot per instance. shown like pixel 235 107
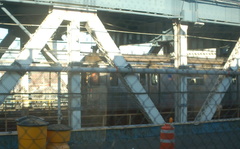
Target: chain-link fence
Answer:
pixel 105 112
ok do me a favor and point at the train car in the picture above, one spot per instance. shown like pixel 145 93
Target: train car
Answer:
pixel 163 90
pixel 105 100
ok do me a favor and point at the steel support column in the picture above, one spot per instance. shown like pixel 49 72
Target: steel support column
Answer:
pixel 59 98
pixel 74 79
pixel 180 51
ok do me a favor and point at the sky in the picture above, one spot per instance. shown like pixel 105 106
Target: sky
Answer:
pixel 15 44
pixel 3 33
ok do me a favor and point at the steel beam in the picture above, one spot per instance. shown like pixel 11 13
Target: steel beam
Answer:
pixel 74 83
pixel 59 113
pixel 180 52
pixel 74 79
pixel 16 21
pixel 119 70
pixel 45 50
pixel 189 11
pixel 222 84
pixel 34 45
pixel 180 44
pixel 53 61
pixel 112 54
pixel 6 43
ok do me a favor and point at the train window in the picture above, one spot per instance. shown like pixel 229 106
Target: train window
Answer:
pixel 113 79
pixel 84 78
pixel 143 78
pixel 94 79
pixel 154 79
pixel 195 81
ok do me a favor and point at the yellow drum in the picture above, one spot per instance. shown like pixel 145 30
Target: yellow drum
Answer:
pixel 32 132
pixel 58 136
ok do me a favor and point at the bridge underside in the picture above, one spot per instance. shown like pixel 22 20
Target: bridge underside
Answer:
pixel 213 11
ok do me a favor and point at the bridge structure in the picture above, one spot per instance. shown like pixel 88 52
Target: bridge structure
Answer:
pixel 176 26
pixel 213 11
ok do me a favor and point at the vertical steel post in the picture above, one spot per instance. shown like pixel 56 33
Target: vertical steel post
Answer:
pixel 180 50
pixel 59 98
pixel 74 83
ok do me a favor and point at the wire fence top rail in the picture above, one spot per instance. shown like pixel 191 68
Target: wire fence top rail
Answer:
pixel 120 70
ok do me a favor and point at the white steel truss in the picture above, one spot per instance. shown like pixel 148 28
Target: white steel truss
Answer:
pixel 39 39
pixel 180 52
pixel 112 54
pixel 107 46
pixel 222 84
pixel 6 42
pixel 35 44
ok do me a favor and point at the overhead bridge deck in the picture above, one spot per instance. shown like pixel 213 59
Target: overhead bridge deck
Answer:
pixel 213 11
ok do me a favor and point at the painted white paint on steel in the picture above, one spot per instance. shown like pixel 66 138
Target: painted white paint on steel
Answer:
pixel 107 46
pixel 180 51
pixel 74 85
pixel 223 82
pixel 34 45
pixel 144 100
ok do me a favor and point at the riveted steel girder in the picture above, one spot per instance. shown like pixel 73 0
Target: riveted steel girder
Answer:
pixel 190 11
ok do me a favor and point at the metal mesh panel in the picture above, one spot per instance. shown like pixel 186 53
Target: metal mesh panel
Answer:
pixel 111 116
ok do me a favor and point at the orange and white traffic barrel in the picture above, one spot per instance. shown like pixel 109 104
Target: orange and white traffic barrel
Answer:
pixel 167 137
